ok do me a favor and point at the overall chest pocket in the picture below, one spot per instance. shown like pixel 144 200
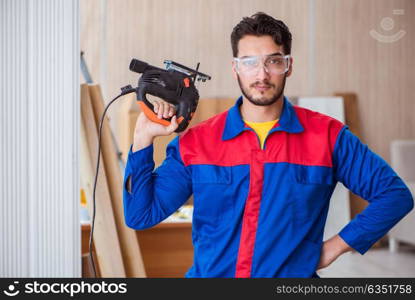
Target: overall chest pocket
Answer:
pixel 312 188
pixel 212 193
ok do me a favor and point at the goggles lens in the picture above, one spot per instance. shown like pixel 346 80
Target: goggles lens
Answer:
pixel 273 64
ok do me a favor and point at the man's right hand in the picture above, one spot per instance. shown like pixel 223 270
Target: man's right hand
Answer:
pixel 146 130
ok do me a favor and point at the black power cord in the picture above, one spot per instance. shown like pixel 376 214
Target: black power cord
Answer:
pixel 124 91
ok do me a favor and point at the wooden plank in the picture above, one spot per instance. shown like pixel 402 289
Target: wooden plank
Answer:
pixel 351 112
pixel 86 185
pixel 87 270
pixel 105 239
pixel 130 249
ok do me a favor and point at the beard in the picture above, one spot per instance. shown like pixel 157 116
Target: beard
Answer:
pixel 263 100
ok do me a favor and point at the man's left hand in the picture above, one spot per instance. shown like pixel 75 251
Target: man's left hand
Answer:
pixel 331 250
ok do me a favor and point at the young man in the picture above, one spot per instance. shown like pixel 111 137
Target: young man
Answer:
pixel 262 174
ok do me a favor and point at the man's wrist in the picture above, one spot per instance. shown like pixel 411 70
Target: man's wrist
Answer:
pixel 339 245
pixel 142 141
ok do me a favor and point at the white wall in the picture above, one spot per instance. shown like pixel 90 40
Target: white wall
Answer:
pixel 39 125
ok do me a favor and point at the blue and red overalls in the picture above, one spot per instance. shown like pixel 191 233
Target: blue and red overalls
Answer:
pixel 261 212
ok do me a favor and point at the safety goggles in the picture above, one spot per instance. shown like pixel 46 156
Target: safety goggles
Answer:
pixel 275 64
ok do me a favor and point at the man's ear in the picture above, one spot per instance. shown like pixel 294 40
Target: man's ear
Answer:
pixel 235 74
pixel 290 69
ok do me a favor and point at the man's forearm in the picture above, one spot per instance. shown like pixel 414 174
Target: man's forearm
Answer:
pixel 339 245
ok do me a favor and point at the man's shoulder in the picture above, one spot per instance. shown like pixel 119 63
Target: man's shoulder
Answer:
pixel 311 119
pixel 319 128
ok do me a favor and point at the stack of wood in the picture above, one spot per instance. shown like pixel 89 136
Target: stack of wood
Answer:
pixel 115 246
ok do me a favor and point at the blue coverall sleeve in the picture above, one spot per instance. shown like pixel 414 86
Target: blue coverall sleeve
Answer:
pixel 154 194
pixel 367 175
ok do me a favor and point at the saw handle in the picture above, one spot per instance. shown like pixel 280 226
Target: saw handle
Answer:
pixel 150 114
pixel 174 88
pixel 148 109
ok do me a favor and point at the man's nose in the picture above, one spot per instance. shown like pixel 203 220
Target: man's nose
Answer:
pixel 262 72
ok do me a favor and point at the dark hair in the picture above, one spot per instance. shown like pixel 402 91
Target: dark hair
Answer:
pixel 261 24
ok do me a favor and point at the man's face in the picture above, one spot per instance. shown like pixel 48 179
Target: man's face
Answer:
pixel 261 87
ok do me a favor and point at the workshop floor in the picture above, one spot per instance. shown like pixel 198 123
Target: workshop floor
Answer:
pixel 374 263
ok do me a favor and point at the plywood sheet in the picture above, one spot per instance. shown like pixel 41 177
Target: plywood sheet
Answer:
pixel 105 239
pixel 128 241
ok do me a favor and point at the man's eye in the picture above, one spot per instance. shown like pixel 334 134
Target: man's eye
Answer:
pixel 250 62
pixel 275 61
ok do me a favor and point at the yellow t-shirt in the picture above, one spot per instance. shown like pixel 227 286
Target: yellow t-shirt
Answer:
pixel 262 129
